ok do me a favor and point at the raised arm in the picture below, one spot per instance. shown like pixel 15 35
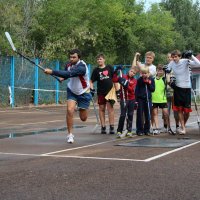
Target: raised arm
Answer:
pixel 194 62
pixel 135 59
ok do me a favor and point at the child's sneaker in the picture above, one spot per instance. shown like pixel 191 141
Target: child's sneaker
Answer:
pixel 163 130
pixel 156 132
pixel 119 134
pixel 70 138
pixel 171 132
pixel 129 134
pixel 103 130
pixel 181 131
pixel 112 130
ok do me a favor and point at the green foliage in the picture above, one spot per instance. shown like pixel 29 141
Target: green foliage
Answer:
pixel 187 17
pixel 118 28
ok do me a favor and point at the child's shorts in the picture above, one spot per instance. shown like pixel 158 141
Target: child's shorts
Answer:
pixel 160 105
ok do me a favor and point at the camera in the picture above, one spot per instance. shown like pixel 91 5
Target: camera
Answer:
pixel 166 70
pixel 187 54
pixel 172 82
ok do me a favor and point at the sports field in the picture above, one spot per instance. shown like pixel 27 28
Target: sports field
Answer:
pixel 36 162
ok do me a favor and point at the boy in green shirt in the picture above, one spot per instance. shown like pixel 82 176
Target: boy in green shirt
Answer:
pixel 159 100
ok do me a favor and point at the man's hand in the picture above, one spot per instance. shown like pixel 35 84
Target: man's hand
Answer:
pixel 48 71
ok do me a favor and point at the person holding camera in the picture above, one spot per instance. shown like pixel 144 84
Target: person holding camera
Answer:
pixel 169 93
pixel 182 85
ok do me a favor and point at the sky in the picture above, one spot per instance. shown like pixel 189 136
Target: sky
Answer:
pixel 149 2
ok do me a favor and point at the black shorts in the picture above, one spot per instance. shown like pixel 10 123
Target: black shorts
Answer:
pixel 160 105
pixel 182 99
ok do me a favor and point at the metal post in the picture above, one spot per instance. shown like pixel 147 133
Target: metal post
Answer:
pixel 36 83
pixel 57 84
pixel 12 81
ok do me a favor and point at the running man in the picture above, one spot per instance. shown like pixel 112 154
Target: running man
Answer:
pixel 78 89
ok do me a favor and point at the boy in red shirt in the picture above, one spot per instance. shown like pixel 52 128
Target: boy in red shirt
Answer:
pixel 127 99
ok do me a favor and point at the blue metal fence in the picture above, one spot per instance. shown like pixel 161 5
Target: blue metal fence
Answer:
pixel 22 83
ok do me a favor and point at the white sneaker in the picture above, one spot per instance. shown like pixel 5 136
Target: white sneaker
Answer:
pixel 163 130
pixel 177 129
pixel 129 134
pixel 181 131
pixel 70 138
pixel 123 134
pixel 156 132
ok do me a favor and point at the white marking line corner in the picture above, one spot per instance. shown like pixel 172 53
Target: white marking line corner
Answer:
pixel 77 157
pixel 169 152
pixel 99 158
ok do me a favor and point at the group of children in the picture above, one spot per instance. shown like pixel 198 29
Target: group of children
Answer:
pixel 144 88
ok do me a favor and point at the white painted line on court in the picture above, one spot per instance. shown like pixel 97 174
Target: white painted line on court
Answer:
pixel 169 152
pixel 23 112
pixel 45 122
pixel 82 147
pixel 101 158
pixel 78 157
pixel 96 158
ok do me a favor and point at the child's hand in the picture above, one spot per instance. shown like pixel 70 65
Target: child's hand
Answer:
pixel 123 82
pixel 137 54
pixel 147 81
pixel 118 94
pixel 136 105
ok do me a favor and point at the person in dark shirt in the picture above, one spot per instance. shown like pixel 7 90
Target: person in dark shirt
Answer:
pixel 103 74
pixel 145 86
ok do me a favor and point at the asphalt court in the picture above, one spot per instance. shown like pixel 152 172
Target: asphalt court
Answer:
pixel 42 132
pixel 37 163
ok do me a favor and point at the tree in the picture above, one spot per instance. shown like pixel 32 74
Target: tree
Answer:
pixel 187 17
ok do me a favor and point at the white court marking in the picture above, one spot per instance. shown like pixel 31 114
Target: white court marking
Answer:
pixel 82 147
pixel 45 122
pixel 100 158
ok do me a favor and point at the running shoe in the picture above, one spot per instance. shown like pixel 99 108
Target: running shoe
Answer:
pixel 156 132
pixel 181 131
pixel 103 130
pixel 171 132
pixel 70 138
pixel 129 134
pixel 112 130
pixel 119 134
pixel 163 130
